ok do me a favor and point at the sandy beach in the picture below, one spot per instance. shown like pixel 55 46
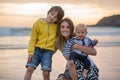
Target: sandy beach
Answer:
pixel 13 64
pixel 13 55
pixel 18 17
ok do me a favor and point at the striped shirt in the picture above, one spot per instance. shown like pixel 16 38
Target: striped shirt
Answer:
pixel 84 42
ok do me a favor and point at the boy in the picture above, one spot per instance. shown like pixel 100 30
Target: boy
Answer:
pixel 81 39
pixel 42 43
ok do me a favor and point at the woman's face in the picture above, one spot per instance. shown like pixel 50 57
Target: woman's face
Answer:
pixel 65 29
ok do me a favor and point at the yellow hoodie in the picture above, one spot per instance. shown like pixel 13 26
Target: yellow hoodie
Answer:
pixel 42 36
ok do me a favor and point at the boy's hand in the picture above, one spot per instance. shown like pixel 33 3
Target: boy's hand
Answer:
pixel 30 57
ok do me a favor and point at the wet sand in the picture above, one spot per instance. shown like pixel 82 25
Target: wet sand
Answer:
pixel 13 64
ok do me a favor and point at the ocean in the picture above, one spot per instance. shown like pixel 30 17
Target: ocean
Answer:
pixel 13 53
pixel 19 37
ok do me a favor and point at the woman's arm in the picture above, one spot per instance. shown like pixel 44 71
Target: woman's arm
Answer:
pixel 88 50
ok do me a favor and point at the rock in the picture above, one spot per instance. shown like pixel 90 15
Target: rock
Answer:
pixel 110 21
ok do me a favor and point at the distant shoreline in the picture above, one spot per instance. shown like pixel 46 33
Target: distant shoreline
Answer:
pixel 16 27
pixel 14 31
pixel 101 26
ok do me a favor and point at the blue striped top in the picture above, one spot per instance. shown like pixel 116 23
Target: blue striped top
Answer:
pixel 84 42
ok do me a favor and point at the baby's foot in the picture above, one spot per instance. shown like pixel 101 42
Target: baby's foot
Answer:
pixel 84 75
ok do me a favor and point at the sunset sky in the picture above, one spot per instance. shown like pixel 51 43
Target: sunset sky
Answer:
pixel 23 13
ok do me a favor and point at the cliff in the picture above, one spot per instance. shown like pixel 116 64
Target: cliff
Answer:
pixel 110 21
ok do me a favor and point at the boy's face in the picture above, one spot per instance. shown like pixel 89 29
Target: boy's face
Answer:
pixel 52 17
pixel 81 33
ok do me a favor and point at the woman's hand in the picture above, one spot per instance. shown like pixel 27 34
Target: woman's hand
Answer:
pixel 88 50
pixel 75 46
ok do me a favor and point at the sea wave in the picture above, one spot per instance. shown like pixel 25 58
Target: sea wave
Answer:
pixel 15 31
pixel 101 31
pixel 17 38
pixel 23 46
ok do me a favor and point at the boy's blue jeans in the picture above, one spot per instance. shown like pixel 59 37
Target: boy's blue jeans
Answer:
pixel 42 56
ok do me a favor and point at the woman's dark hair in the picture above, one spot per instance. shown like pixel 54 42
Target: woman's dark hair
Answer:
pixel 61 40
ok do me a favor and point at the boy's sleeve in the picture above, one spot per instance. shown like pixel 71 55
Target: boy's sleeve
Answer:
pixel 33 40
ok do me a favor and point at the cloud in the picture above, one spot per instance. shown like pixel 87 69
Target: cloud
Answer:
pixel 101 3
pixel 88 11
pixel 64 1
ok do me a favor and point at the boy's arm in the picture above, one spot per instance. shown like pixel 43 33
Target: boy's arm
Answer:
pixel 33 39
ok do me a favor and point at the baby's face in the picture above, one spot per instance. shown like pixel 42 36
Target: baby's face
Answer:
pixel 81 33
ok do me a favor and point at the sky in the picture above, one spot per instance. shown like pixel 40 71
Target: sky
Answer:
pixel 23 13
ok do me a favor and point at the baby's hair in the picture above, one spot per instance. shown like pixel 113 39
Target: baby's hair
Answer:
pixel 80 26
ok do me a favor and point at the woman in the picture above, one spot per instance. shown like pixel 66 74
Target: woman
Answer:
pixel 74 71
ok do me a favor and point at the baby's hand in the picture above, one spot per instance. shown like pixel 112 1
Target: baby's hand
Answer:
pixel 95 41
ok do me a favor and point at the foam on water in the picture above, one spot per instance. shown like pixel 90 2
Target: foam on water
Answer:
pixel 17 38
